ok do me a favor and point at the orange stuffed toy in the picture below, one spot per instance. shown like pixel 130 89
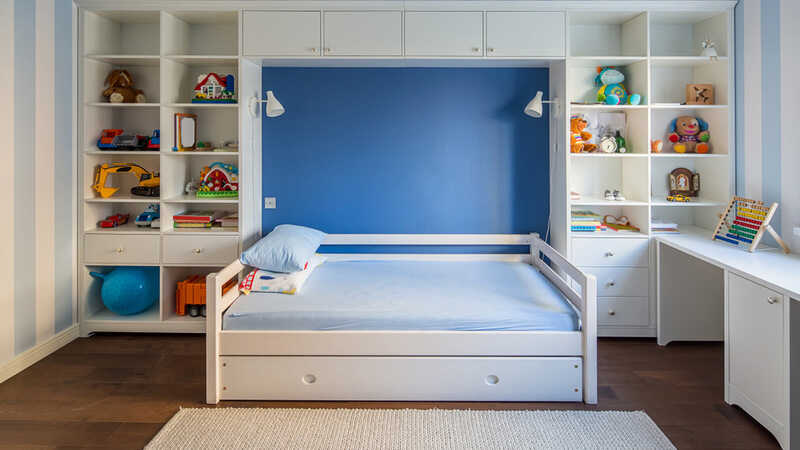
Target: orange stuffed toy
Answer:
pixel 579 139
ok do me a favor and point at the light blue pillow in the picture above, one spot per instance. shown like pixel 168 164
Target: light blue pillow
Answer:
pixel 286 249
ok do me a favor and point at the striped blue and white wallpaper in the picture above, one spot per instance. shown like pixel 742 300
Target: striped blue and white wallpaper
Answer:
pixel 37 291
pixel 767 101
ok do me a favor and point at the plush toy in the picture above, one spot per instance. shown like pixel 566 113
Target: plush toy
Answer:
pixel 689 134
pixel 120 88
pixel 612 91
pixel 579 139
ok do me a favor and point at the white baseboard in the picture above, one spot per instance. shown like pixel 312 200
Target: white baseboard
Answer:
pixel 33 355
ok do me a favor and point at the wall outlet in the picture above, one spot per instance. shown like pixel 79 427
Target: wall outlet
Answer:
pixel 270 203
pixel 796 231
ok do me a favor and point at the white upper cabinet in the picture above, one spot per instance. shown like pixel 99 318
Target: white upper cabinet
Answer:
pixel 281 33
pixel 444 33
pixel 363 33
pixel 525 34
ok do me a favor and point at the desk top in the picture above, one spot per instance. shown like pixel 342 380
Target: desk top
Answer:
pixel 770 266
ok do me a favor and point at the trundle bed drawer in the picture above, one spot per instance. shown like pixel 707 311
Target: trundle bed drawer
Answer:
pixel 610 252
pixel 401 378
pixel 620 281
pixel 627 311
pixel 121 249
pixel 206 250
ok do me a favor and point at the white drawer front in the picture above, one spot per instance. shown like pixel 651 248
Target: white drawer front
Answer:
pixel 444 33
pixel 621 281
pixel 200 249
pixel 363 33
pixel 515 33
pixel 120 249
pixel 629 311
pixel 281 33
pixel 401 378
pixel 610 252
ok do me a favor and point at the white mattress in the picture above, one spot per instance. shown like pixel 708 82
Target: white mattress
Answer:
pixel 411 295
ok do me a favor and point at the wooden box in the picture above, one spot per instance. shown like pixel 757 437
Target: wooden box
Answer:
pixel 699 94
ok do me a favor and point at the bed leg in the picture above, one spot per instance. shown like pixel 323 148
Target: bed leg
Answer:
pixel 213 328
pixel 590 341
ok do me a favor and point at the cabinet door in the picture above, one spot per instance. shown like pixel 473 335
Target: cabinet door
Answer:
pixel 756 339
pixel 444 33
pixel 524 34
pixel 363 33
pixel 281 33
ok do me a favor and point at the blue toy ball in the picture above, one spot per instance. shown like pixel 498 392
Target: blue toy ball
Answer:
pixel 128 290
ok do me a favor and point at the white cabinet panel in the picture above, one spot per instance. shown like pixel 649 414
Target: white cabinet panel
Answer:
pixel 621 281
pixel 206 250
pixel 756 342
pixel 610 252
pixel 281 33
pixel 121 249
pixel 524 34
pixel 623 311
pixel 363 33
pixel 444 33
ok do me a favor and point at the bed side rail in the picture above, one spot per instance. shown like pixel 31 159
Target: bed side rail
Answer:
pixel 584 301
pixel 216 304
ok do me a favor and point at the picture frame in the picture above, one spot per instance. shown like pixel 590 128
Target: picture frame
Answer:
pixel 685 182
pixel 185 134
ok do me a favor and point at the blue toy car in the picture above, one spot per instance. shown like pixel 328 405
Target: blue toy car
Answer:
pixel 146 218
pixel 155 140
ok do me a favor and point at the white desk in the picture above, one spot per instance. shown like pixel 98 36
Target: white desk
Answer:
pixel 709 290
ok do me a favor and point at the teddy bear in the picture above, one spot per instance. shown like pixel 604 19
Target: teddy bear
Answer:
pixel 612 91
pixel 120 88
pixel 579 139
pixel 689 134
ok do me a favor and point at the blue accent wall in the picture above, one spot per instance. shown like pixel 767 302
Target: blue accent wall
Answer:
pixel 407 150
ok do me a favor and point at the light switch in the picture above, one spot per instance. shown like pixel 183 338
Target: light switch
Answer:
pixel 270 203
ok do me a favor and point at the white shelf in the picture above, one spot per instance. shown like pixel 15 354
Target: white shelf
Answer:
pixel 122 198
pixel 187 154
pixel 136 60
pixel 671 106
pixel 609 234
pixel 695 202
pixel 203 105
pixel 123 105
pixel 594 61
pixel 689 155
pixel 587 200
pixel 186 198
pixel 128 228
pixel 149 315
pixel 608 155
pixel 216 231
pixel 683 61
pixel 122 152
pixel 604 107
pixel 204 59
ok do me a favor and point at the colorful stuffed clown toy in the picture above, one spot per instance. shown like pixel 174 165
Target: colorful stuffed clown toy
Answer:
pixel 689 134
pixel 612 91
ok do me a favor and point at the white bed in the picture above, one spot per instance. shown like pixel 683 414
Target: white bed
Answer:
pixel 444 327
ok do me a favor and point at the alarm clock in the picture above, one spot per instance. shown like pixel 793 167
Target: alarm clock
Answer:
pixel 608 144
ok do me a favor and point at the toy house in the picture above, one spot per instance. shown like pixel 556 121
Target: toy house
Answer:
pixel 213 88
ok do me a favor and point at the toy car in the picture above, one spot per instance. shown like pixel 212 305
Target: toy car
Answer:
pixel 146 218
pixel 107 137
pixel 114 221
pixel 679 198
pixel 130 142
pixel 154 143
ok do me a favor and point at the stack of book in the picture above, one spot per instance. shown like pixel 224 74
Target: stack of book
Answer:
pixel 586 221
pixel 194 219
pixel 662 227
pixel 229 222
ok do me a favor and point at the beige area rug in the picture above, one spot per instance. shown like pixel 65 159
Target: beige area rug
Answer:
pixel 236 428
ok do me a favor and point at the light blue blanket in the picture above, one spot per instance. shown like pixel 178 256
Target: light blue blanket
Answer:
pixel 411 295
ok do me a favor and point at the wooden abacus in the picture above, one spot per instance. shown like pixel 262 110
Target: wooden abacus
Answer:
pixel 744 222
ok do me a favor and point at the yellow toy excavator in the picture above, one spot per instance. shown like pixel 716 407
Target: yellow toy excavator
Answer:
pixel 149 182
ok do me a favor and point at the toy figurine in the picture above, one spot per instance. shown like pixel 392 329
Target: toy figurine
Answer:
pixel 213 88
pixel 120 88
pixel 612 91
pixel 578 138
pixel 219 180
pixel 689 134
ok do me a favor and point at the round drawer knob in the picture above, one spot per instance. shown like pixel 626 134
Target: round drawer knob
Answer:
pixel 197 251
pixel 772 300
pixel 476 49
pixel 327 49
pixel 120 250
pixel 309 379
pixel 313 49
pixel 491 49
pixel 611 312
pixel 492 380
pixel 611 283
pixel 609 254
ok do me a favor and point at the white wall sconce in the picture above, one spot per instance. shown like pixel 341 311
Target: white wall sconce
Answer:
pixel 274 107
pixel 534 107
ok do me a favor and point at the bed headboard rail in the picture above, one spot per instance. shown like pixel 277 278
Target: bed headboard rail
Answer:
pixel 428 239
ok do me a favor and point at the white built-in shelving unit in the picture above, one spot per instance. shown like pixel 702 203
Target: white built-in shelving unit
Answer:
pixel 165 51
pixel 658 52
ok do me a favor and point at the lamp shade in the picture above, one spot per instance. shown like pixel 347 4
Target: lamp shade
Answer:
pixel 534 107
pixel 275 109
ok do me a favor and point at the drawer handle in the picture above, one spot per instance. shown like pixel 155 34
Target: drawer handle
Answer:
pixel 609 254
pixel 476 49
pixel 492 380
pixel 313 49
pixel 120 250
pixel 309 379
pixel 772 300
pixel 491 49
pixel 611 312
pixel 327 49
pixel 197 251
pixel 611 283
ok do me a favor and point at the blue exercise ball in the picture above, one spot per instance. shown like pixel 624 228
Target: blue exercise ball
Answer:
pixel 128 290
